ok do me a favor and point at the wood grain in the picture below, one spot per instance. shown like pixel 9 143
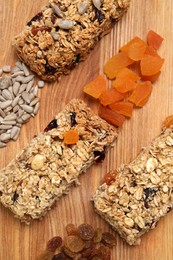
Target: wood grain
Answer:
pixel 21 242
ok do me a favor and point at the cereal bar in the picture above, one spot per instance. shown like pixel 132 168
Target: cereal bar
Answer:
pixel 64 32
pixel 141 191
pixel 43 171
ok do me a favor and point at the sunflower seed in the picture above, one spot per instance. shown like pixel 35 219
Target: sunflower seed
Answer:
pixel 6 94
pixel 17 73
pixel 57 10
pixel 2 144
pixel 5 104
pixel 29 85
pixel 22 88
pixel 20 121
pixel 14 131
pixel 83 7
pixel 36 108
pixel 97 3
pixel 34 101
pixel 5 83
pixel 27 108
pixel 4 137
pixel 1 71
pixel 35 90
pixel 25 96
pixel 15 69
pixel 31 96
pixel 21 101
pixel 27 79
pixel 15 101
pixel 2 98
pixel 25 70
pixel 16 134
pixel 12 122
pixel 55 36
pixel 65 24
pixel 5 127
pixel 16 108
pixel 8 109
pixel 12 116
pixel 6 68
pixel 11 91
pixel 25 117
pixel 20 112
pixel 40 83
pixel 2 113
pixel 16 87
pixel 19 65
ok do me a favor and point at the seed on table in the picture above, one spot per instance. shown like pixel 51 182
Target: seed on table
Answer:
pixel 22 88
pixel 5 104
pixel 15 69
pixel 17 73
pixel 9 122
pixel 6 68
pixel 27 108
pixel 5 83
pixel 16 108
pixel 16 87
pixel 5 127
pixel 12 116
pixel 31 96
pixel 14 131
pixel 36 108
pixel 15 136
pixel 40 83
pixel 57 10
pixel 11 91
pixel 2 98
pixel 2 113
pixel 15 101
pixel 29 85
pixel 34 101
pixel 19 120
pixel 19 65
pixel 6 94
pixel 21 101
pixel 2 144
pixel 20 112
pixel 25 117
pixel 25 96
pixel 83 7
pixel 25 70
pixel 97 3
pixel 8 109
pixel 35 90
pixel 4 137
pixel 27 79
pixel 55 36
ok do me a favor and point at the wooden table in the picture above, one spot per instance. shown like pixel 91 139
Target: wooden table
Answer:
pixel 21 242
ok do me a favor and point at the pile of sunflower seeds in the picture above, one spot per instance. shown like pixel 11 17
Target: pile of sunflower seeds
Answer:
pixel 18 100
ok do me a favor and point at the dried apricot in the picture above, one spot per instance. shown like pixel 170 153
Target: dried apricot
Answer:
pixel 124 108
pixel 110 96
pixel 154 39
pixel 123 85
pixel 168 121
pixel 86 232
pixel 95 87
pixel 74 243
pixel 71 137
pixel 111 116
pixel 150 65
pixel 54 243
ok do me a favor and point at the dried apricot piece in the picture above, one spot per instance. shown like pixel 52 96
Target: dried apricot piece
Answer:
pixel 95 87
pixel 124 108
pixel 151 51
pixel 71 137
pixel 54 243
pixel 110 96
pixel 116 63
pixel 111 116
pixel 151 65
pixel 85 231
pixel 168 121
pixel 154 39
pixel 141 94
pixel 152 78
pixel 74 243
pixel 109 239
pixel 135 48
pixel 127 73
pixel 123 85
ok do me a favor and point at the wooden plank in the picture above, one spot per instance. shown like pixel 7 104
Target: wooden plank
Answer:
pixel 18 241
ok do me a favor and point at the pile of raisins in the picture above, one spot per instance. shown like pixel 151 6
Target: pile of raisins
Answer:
pixel 81 243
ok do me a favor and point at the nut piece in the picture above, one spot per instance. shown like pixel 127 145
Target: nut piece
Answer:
pixel 37 162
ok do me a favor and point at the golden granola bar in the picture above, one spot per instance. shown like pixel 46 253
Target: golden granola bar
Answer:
pixel 64 32
pixel 142 191
pixel 43 171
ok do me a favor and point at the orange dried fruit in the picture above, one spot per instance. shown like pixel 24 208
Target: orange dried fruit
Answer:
pixel 109 177
pixel 71 137
pixel 95 87
pixel 111 116
pixel 154 39
pixel 135 49
pixel 74 243
pixel 151 51
pixel 116 63
pixel 124 108
pixel 86 232
pixel 151 65
pixel 110 96
pixel 168 121
pixel 123 85
pixel 127 73
pixel 152 78
pixel 141 94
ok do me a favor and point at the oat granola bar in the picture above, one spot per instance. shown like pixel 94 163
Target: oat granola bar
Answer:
pixel 142 191
pixel 47 167
pixel 64 32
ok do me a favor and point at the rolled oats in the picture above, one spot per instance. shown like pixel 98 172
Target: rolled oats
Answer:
pixel 80 25
pixel 142 191
pixel 47 167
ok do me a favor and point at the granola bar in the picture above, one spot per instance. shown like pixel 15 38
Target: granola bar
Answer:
pixel 64 32
pixel 43 171
pixel 141 192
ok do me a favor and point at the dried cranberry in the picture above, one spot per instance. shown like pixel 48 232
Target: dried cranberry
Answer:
pixel 15 196
pixel 51 125
pixel 54 243
pixel 73 118
pixel 99 155
pixel 74 62
pixel 99 16
pixel 49 69
pixel 37 17
pixel 35 30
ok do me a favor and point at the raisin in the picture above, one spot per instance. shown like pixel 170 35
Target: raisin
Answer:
pixel 97 235
pixel 87 252
pixel 54 243
pixel 103 253
pixel 35 30
pixel 109 177
pixel 71 229
pixel 108 239
pixel 37 17
pixel 74 243
pixel 49 69
pixel 86 232
pixel 51 125
pixel 99 156
pixel 59 256
pixel 74 62
pixel 99 16
pixel 15 196
pixel 73 119
pixel 68 252
pixel 47 255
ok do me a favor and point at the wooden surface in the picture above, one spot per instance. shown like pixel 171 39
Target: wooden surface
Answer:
pixel 21 242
